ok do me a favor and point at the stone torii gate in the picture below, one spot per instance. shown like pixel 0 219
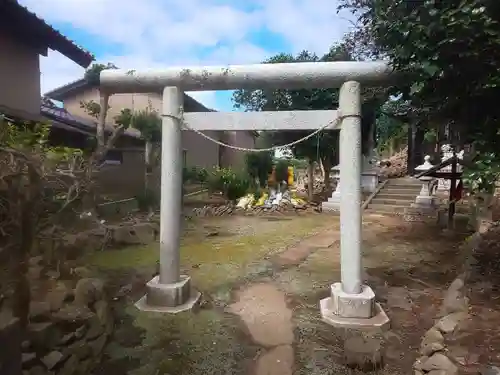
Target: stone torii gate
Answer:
pixel 351 303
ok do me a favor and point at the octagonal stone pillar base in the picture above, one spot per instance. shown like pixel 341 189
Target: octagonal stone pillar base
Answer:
pixel 355 311
pixel 169 298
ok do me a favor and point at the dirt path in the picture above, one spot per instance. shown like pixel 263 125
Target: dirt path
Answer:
pixel 261 316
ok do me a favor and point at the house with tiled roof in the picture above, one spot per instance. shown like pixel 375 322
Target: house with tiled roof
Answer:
pixel 198 151
pixel 24 37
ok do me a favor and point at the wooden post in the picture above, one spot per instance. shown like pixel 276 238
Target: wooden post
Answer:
pixel 409 155
pixel 453 189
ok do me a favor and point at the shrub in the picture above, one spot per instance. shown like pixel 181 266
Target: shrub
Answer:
pixel 298 163
pixel 282 170
pixel 201 175
pixel 233 185
pixel 258 166
pixel 194 175
pixel 146 200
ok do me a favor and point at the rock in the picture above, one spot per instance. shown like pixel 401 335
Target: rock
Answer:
pixel 455 299
pixel 52 359
pixel 97 345
pixel 439 361
pixel 80 332
pixel 34 273
pixel 103 311
pixel 25 345
pixel 432 342
pixel 457 284
pixel 419 363
pixel 95 329
pixel 136 234
pixel 28 359
pixel 58 295
pixel 82 272
pixel 72 316
pixel 69 367
pixel 363 353
pixel 431 348
pixel 438 372
pixel 55 275
pixel 39 311
pixel 36 370
pixel 35 261
pixel 433 335
pixel 448 323
pixel 490 370
pixel 88 291
pixel 85 366
pixel 124 290
pixel 80 349
pixel 67 339
pixel 43 335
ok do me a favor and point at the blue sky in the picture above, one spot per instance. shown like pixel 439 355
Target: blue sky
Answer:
pixel 160 33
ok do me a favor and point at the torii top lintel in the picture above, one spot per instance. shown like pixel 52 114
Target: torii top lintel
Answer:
pixel 257 76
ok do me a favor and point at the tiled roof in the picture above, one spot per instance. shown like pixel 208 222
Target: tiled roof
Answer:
pixel 19 19
pixel 63 92
pixel 79 123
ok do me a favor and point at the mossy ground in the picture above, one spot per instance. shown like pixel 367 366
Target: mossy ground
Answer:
pixel 239 248
pixel 212 341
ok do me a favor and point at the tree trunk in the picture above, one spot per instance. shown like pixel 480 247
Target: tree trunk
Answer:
pixel 322 167
pixel 327 166
pixel 89 199
pixel 26 234
pixel 310 176
pixel 148 152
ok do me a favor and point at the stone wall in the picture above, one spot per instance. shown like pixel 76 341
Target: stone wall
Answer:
pixel 436 355
pixel 68 327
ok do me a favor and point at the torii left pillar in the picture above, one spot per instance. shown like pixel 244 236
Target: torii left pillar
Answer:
pixel 170 291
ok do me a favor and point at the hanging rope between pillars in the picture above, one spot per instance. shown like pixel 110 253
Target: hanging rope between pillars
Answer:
pixel 332 123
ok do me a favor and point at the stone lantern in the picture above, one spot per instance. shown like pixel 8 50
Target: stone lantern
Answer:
pixel 425 199
pixel 333 203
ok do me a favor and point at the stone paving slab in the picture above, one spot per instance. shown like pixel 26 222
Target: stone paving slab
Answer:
pixel 263 309
pixel 297 253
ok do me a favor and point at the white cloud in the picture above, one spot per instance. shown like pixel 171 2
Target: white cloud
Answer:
pixel 156 33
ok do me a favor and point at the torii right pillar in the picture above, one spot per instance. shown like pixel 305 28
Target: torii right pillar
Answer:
pixel 351 303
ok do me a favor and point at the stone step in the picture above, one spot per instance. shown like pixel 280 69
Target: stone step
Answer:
pixel 406 197
pixel 408 192
pixel 388 207
pixel 404 181
pixel 369 211
pixel 389 201
pixel 403 187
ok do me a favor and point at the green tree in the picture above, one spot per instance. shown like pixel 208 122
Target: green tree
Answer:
pixel 324 147
pixel 446 53
pixel 103 144
pixel 259 165
pixel 148 122
pixel 100 111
